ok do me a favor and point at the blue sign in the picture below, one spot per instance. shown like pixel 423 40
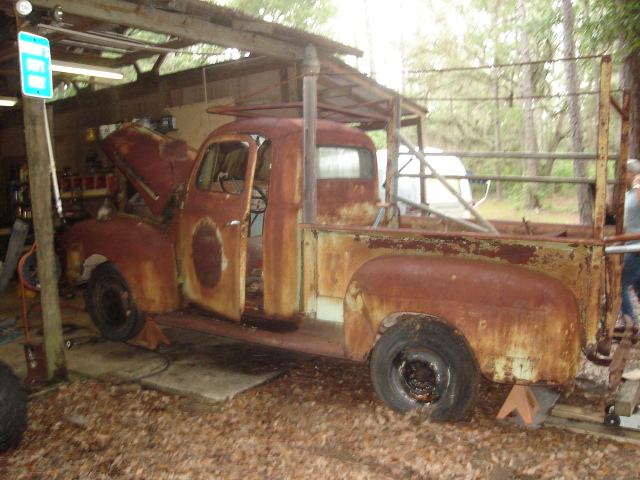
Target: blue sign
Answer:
pixel 35 65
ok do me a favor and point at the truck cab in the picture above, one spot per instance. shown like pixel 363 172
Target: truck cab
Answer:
pixel 246 206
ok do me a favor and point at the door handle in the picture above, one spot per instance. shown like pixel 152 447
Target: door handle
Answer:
pixel 232 223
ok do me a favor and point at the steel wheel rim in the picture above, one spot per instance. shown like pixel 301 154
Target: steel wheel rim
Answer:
pixel 112 300
pixel 421 376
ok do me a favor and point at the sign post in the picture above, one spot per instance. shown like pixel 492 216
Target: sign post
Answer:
pixel 35 73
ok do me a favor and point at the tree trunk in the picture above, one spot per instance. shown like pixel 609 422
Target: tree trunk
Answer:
pixel 631 82
pixel 496 133
pixel 530 189
pixel 496 100
pixel 585 199
pixel 368 17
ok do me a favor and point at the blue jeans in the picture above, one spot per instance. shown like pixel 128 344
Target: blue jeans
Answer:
pixel 630 274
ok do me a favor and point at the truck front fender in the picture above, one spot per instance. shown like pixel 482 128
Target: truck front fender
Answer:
pixel 523 326
pixel 141 250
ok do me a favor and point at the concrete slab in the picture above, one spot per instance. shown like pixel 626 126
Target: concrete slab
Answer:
pixel 198 365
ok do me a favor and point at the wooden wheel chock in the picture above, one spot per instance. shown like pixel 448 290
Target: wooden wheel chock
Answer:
pixel 151 335
pixel 522 400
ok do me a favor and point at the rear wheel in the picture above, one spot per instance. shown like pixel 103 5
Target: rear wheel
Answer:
pixel 111 305
pixel 13 409
pixel 29 270
pixel 423 364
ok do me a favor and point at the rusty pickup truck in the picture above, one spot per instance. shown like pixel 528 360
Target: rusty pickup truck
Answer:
pixel 214 241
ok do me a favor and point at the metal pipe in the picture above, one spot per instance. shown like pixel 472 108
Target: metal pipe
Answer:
pixel 627 237
pixel 310 69
pixel 460 221
pixel 633 248
pixel 508 178
pixel 537 156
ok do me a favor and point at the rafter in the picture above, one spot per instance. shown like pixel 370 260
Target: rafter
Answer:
pixel 181 26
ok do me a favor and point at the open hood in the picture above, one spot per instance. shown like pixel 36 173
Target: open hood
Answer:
pixel 154 163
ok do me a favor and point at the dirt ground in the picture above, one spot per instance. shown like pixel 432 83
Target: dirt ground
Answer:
pixel 320 420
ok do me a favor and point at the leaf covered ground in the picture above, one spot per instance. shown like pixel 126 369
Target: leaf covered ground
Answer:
pixel 320 420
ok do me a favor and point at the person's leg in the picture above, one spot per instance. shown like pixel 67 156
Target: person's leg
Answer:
pixel 630 274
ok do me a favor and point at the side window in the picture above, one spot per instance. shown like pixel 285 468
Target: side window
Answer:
pixel 223 167
pixel 344 162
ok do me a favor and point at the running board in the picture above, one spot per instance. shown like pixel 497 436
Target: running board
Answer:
pixel 312 336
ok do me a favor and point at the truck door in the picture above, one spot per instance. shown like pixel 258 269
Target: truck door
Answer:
pixel 214 225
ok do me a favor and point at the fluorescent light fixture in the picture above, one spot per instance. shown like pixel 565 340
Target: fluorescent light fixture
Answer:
pixel 8 101
pixel 89 70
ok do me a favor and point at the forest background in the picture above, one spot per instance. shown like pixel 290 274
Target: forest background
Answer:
pixel 495 75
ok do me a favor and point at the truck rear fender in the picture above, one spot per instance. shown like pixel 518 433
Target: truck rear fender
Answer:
pixel 142 252
pixel 521 325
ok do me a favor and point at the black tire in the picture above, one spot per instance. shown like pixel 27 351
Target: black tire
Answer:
pixel 111 305
pixel 13 409
pixel 29 270
pixel 424 364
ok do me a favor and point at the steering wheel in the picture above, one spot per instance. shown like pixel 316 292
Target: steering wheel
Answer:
pixel 258 199
pixel 224 176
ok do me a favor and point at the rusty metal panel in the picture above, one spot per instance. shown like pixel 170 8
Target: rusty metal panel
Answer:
pixel 564 266
pixel 347 201
pixel 338 202
pixel 282 258
pixel 310 297
pixel 613 273
pixel 342 250
pixel 154 164
pixel 522 325
pixel 212 244
pixel 141 250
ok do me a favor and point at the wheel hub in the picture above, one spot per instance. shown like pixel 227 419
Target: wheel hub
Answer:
pixel 423 375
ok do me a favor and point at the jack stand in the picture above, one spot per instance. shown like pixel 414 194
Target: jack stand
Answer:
pixel 151 335
pixel 522 400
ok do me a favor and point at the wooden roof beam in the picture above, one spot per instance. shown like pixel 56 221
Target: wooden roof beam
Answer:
pixel 181 26
pixel 132 57
pixel 332 65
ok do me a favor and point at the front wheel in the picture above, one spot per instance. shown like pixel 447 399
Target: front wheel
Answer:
pixel 111 305
pixel 423 364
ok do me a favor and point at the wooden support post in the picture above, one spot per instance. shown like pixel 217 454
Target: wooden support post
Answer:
pixel 522 400
pixel 40 186
pixel 391 186
pixel 603 148
pixel 628 397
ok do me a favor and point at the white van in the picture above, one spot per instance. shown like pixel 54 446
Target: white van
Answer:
pixel 438 197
